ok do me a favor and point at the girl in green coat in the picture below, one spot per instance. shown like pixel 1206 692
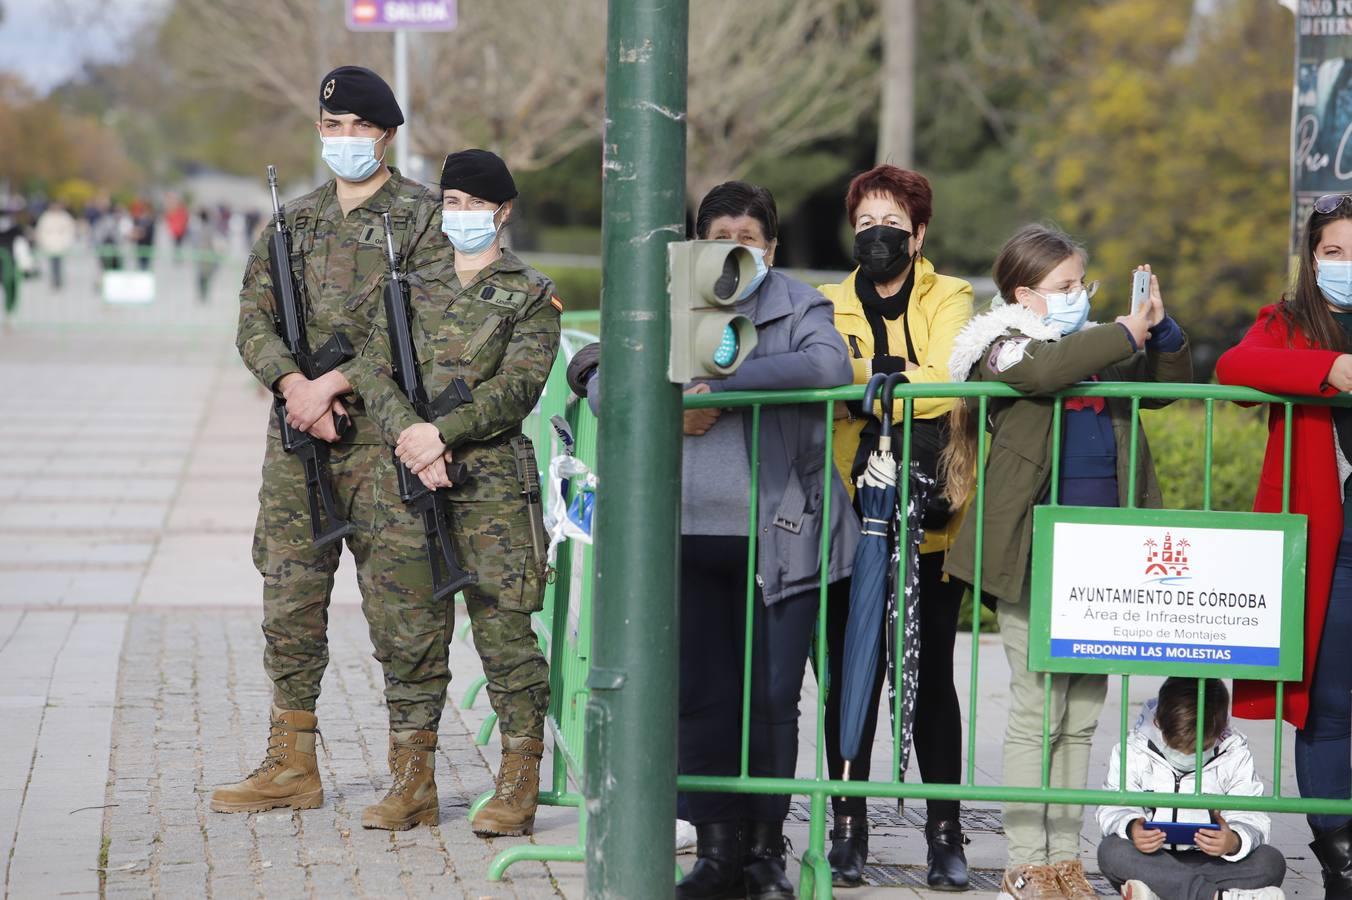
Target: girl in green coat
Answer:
pixel 1038 340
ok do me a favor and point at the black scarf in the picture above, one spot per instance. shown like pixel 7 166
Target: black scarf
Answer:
pixel 878 311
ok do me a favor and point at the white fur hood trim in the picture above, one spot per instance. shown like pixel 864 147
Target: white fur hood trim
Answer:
pixel 982 331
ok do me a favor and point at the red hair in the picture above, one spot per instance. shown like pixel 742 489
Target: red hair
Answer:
pixel 910 189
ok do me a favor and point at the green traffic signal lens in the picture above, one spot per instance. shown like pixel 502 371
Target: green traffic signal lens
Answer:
pixel 726 354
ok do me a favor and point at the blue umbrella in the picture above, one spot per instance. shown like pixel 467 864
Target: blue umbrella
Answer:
pixel 870 586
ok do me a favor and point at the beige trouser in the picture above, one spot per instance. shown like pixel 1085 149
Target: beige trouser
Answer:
pixel 1041 833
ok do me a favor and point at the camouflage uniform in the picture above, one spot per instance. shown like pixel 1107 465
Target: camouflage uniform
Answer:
pixel 340 263
pixel 500 333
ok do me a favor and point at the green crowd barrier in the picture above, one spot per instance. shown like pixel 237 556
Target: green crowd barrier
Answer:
pixel 564 626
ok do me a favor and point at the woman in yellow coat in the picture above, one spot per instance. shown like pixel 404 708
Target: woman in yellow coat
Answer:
pixel 898 315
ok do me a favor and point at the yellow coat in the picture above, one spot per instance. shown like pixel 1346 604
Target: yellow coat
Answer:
pixel 940 306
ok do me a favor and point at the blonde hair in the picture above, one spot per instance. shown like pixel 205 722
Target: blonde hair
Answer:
pixel 1027 258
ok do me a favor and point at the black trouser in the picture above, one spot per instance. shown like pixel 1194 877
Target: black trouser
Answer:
pixel 938 718
pixel 713 640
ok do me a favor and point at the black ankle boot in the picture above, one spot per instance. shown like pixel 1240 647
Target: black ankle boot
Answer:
pixel 763 865
pixel 717 874
pixel 849 851
pixel 1333 849
pixel 947 861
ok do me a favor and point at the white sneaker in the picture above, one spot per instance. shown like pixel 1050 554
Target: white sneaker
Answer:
pixel 1267 893
pixel 685 837
pixel 1139 890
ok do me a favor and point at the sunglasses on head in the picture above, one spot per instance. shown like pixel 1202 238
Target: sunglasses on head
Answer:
pixel 1330 203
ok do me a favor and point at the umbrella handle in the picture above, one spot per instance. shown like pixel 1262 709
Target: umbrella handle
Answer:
pixel 889 384
pixel 875 384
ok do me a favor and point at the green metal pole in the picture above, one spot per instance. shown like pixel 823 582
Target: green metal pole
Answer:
pixel 631 713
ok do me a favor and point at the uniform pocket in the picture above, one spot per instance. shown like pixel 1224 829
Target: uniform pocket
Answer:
pixel 493 541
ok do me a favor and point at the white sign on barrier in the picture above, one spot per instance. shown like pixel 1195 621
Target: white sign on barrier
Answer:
pixel 128 287
pixel 1165 590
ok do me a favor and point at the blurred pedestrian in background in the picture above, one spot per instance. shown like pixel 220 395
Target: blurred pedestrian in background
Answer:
pixel 206 252
pixel 178 222
pixel 55 234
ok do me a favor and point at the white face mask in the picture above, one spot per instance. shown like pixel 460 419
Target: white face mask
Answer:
pixel 352 158
pixel 1068 312
pixel 1181 761
pixel 470 230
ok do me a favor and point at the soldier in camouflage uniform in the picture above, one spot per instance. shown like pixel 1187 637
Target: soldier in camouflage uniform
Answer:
pixel 339 264
pixel 485 316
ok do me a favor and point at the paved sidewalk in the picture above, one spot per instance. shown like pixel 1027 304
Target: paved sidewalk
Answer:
pixel 130 658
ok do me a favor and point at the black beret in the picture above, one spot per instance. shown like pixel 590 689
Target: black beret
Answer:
pixel 478 173
pixel 356 90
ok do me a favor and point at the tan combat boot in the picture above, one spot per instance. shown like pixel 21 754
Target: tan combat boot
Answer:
pixel 512 809
pixel 412 799
pixel 288 775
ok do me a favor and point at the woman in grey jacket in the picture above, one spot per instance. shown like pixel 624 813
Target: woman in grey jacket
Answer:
pixel 797 347
pixel 740 836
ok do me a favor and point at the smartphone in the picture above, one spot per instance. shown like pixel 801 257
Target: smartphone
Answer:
pixel 1182 832
pixel 1140 290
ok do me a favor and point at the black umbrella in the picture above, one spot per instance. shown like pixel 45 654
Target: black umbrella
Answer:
pixel 921 494
pixel 876 497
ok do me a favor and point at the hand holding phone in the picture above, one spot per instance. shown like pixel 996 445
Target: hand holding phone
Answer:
pixel 1180 832
pixel 1146 302
pixel 1140 290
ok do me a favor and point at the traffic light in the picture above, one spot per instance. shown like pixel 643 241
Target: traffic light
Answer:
pixel 705 279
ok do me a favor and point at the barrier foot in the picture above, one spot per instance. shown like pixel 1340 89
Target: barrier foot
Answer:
pixel 479 804
pixel 815 882
pixel 472 693
pixel 560 798
pixel 486 729
pixel 534 852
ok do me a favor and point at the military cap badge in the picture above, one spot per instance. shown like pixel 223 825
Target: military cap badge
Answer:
pixel 328 88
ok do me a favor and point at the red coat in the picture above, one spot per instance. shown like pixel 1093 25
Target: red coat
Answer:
pixel 1266 360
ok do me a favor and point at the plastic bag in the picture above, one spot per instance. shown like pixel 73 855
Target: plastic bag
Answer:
pixel 565 521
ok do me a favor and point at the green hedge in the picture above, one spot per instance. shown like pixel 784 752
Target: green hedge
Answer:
pixel 1177 436
pixel 578 288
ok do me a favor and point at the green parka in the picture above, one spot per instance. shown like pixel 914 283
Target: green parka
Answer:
pixel 1012 345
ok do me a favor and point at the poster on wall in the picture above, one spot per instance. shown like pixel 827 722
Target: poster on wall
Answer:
pixel 1321 140
pixel 1167 592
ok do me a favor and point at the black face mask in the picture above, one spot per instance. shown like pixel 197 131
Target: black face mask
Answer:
pixel 881 253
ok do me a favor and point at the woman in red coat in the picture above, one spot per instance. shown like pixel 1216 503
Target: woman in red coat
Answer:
pixel 1298 347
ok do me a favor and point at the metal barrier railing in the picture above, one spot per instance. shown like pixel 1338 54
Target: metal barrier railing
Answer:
pixel 566 639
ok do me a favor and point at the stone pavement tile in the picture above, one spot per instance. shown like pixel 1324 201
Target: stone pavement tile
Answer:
pixel 45 587
pixel 56 843
pixel 68 553
pixel 159 490
pixel 198 674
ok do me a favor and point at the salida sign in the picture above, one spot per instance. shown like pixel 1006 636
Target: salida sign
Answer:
pixel 1167 592
pixel 393 15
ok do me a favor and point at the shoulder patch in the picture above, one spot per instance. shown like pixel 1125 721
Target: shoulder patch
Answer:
pixel 499 297
pixel 1006 354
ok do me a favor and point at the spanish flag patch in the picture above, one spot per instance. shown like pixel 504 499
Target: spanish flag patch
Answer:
pixel 555 302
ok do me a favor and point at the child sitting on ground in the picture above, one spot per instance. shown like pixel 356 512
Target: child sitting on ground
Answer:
pixel 1234 862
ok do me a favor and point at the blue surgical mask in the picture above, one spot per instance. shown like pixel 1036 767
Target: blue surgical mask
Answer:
pixel 758 254
pixel 1067 312
pixel 470 230
pixel 1334 277
pixel 352 158
pixel 1181 762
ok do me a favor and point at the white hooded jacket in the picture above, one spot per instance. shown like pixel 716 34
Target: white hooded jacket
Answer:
pixel 1227 768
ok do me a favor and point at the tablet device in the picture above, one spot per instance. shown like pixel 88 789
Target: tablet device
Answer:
pixel 1181 832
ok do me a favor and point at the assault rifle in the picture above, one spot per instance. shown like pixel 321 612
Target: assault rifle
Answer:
pixel 326 524
pixel 434 507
